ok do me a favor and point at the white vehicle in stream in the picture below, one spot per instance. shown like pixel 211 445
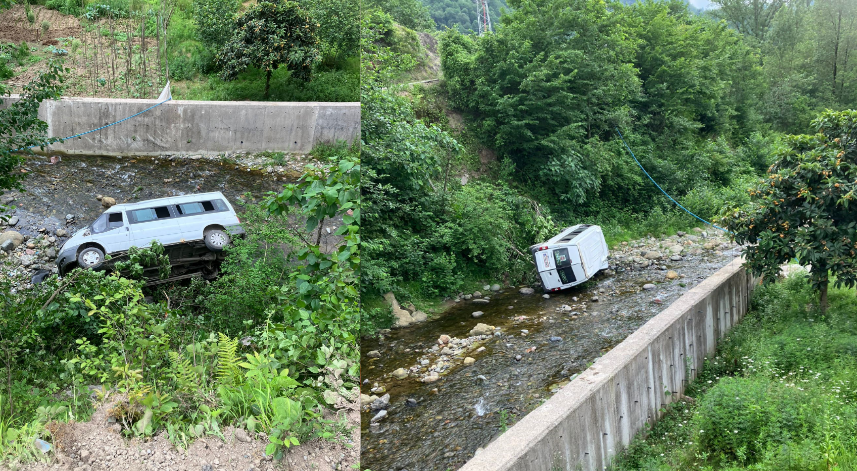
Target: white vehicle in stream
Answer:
pixel 193 229
pixel 571 257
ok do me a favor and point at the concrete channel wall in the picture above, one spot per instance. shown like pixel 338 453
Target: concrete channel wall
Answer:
pixel 597 414
pixel 195 127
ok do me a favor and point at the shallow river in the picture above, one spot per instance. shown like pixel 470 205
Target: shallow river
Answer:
pixel 446 421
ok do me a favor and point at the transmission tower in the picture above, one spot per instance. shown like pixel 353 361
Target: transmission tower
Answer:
pixel 483 16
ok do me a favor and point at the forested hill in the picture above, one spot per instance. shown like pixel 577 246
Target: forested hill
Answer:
pixel 427 15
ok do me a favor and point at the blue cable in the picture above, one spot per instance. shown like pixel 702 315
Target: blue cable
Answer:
pixel 102 127
pixel 662 190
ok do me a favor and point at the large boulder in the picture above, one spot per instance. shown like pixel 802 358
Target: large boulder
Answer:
pixel 107 202
pixel 482 329
pixel 403 317
pixel 15 237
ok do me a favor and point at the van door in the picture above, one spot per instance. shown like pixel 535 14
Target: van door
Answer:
pixel 111 231
pixel 156 223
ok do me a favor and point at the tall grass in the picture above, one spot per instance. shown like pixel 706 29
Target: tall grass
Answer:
pixel 780 393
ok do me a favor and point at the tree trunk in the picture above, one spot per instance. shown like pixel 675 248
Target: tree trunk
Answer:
pixel 822 298
pixel 267 82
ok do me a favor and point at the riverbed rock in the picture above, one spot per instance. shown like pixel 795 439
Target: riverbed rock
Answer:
pixel 13 221
pixel 374 354
pixel 400 373
pixel 526 291
pixel 556 339
pixel 381 403
pixel 676 249
pixel 107 202
pixel 366 400
pixel 379 417
pixel 710 245
pixel 61 233
pixel 482 329
pixel 403 317
pixel 676 258
pixel 477 294
pixel 648 286
pixel 443 339
pixel 467 297
pixel 431 378
pixel 477 314
pixel 652 255
pixel 446 351
pixel 481 301
pixel 6 246
pixel 486 288
pixel 419 316
pixel 469 361
pixel 681 233
pixel 495 287
pixel 546 296
pixel 671 275
pixel 16 238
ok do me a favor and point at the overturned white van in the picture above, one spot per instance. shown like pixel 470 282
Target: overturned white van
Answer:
pixel 571 257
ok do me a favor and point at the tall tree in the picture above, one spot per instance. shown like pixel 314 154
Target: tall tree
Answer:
pixel 268 35
pixel 836 27
pixel 750 17
pixel 804 209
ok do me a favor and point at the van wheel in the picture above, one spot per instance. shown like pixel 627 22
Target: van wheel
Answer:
pixel 90 257
pixel 216 240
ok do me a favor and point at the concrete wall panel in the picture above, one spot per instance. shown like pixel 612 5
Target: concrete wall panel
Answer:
pixel 195 127
pixel 595 416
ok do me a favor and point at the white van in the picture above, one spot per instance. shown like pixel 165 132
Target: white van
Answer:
pixel 181 223
pixel 571 257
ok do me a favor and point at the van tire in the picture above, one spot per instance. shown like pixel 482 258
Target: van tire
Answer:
pixel 216 240
pixel 90 257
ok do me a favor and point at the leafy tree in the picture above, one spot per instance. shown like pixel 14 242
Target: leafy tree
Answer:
pixel 804 209
pixel 408 13
pixel 338 30
pixel 268 35
pixel 750 17
pixel 215 21
pixel 555 75
pixel 21 127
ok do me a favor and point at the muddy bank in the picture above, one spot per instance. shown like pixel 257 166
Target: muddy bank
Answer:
pixel 449 396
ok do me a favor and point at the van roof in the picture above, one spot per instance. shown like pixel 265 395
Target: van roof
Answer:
pixel 569 235
pixel 168 200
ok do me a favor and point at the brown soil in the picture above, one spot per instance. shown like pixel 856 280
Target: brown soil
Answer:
pixel 98 445
pixel 84 67
pixel 15 28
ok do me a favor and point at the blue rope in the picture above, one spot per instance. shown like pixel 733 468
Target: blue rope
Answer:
pixel 662 190
pixel 102 127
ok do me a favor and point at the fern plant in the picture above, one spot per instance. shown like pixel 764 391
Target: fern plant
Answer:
pixel 187 380
pixel 227 360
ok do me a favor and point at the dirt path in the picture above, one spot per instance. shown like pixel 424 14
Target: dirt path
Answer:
pixel 98 445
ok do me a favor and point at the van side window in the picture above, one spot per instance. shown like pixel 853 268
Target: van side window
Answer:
pixel 106 222
pixel 114 220
pixel 149 214
pixel 189 208
pixel 201 207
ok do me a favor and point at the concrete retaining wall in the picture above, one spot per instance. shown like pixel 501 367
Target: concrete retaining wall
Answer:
pixel 592 418
pixel 196 127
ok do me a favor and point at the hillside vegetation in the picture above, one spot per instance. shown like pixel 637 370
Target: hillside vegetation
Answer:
pixel 522 135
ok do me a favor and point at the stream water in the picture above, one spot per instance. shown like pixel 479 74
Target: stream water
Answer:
pixel 440 425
